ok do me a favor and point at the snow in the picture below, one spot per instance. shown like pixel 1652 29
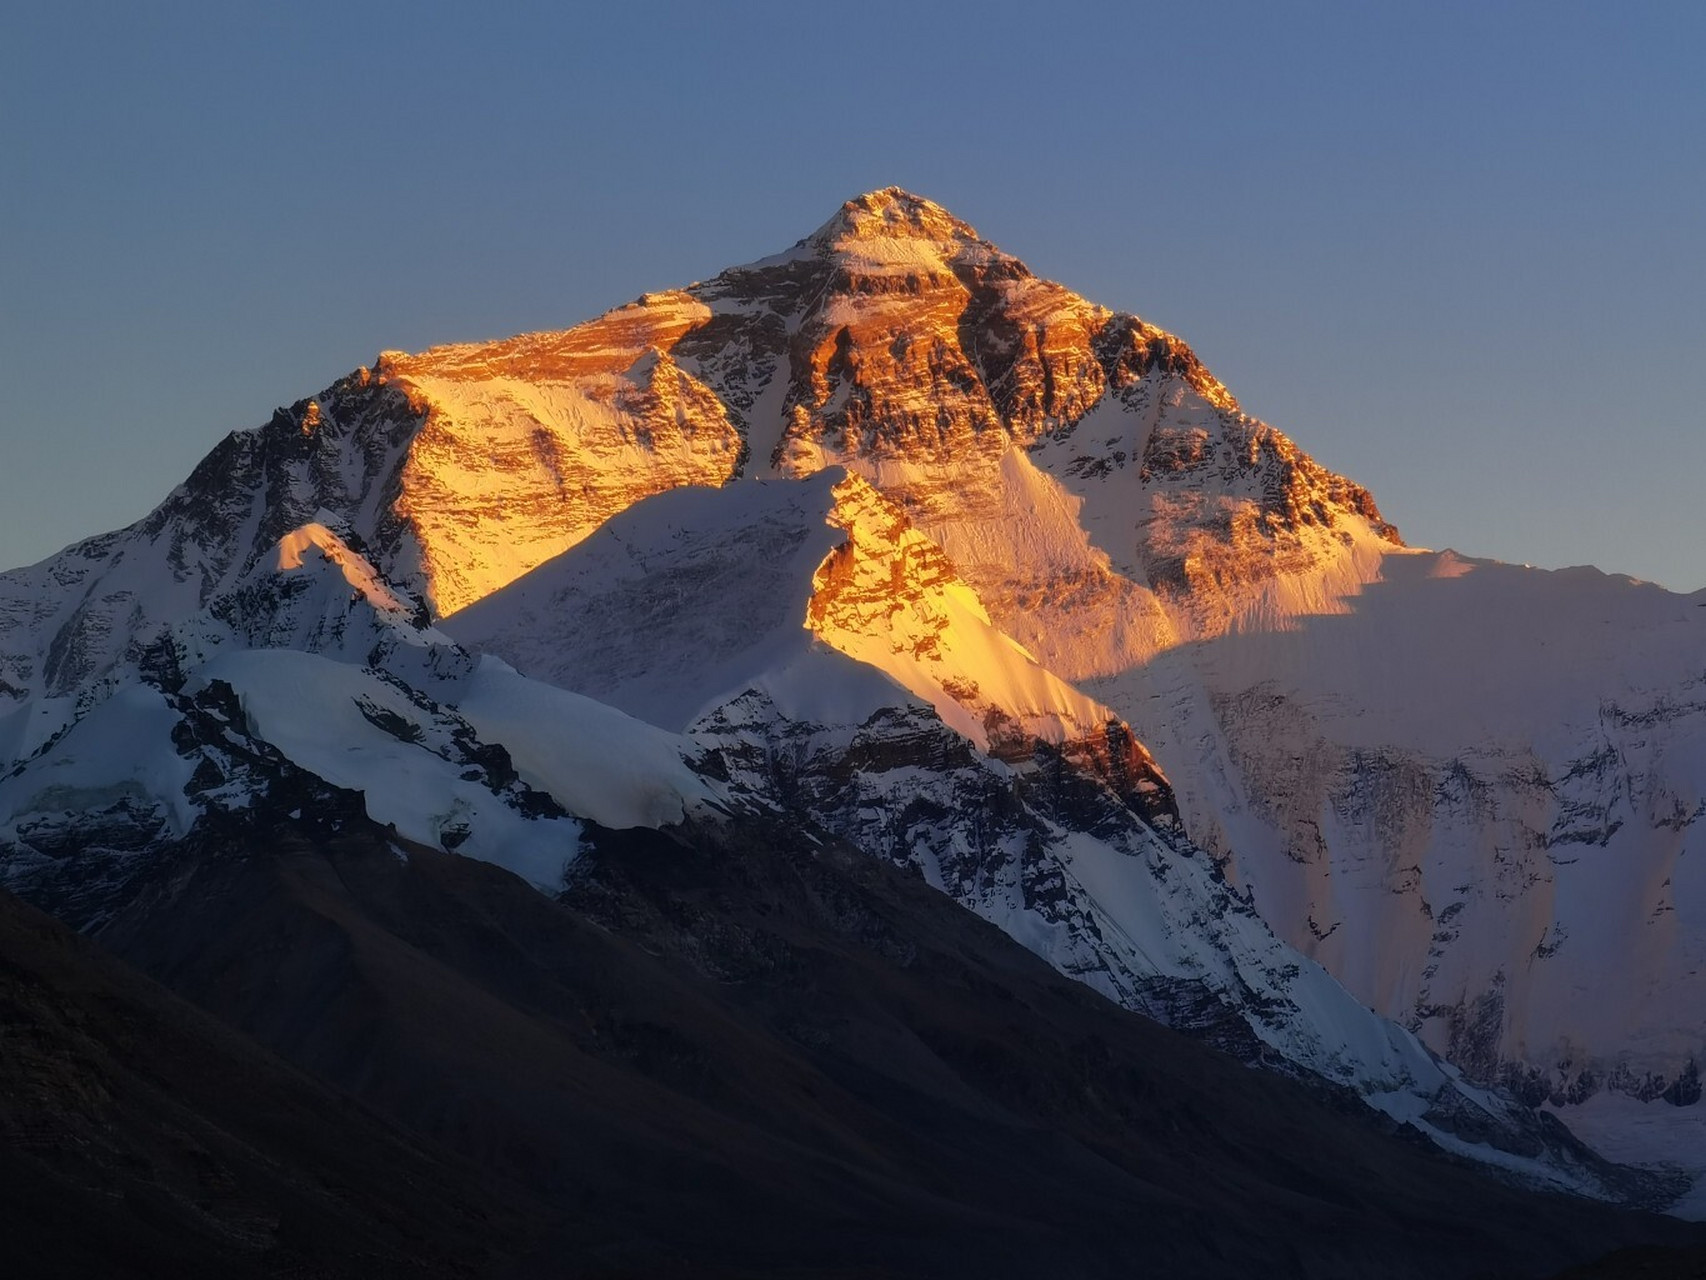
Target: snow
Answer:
pixel 531 443
pixel 818 595
pixel 310 708
pixel 711 592
pixel 1443 779
pixel 894 255
pixel 1652 1134
pixel 594 760
pixel 1525 1167
pixel 1496 760
pixel 1171 934
pixel 1032 523
pixel 908 614
pixel 314 541
pixel 766 423
pixel 27 725
pixel 121 749
pixel 1438 652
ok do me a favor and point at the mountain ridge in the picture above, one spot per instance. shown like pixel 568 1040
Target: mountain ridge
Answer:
pixel 1109 516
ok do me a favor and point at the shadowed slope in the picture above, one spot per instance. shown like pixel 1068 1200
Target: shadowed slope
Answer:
pixel 728 1049
pixel 139 1137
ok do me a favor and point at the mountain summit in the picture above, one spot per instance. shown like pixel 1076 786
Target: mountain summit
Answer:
pixel 893 337
pixel 888 536
pixel 894 214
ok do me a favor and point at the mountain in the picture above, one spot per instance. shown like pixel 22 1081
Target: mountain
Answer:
pixel 994 781
pixel 947 750
pixel 733 1050
pixel 888 536
pixel 141 1137
pixel 893 337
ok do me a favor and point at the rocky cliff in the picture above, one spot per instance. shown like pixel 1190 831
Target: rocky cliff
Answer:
pixel 1465 789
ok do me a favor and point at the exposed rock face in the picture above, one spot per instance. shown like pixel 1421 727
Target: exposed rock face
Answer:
pixel 1060 829
pixel 717 1041
pixel 893 341
pixel 74 617
pixel 529 445
pixel 1472 798
pixel 1469 791
pixel 1057 859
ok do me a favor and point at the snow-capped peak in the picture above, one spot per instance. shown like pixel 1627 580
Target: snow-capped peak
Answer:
pixel 1022 505
pixel 894 230
pixel 300 549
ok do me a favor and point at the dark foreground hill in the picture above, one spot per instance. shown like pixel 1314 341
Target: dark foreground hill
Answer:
pixel 139 1137
pixel 725 1052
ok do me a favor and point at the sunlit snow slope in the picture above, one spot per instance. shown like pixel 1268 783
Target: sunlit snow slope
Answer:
pixel 1470 791
pixel 732 613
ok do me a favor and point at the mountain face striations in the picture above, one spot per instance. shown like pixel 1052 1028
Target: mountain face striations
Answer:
pixel 887 540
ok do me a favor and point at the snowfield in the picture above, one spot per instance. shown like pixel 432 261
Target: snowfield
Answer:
pixel 889 539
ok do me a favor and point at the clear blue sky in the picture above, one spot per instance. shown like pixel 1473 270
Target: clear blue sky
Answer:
pixel 1455 250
